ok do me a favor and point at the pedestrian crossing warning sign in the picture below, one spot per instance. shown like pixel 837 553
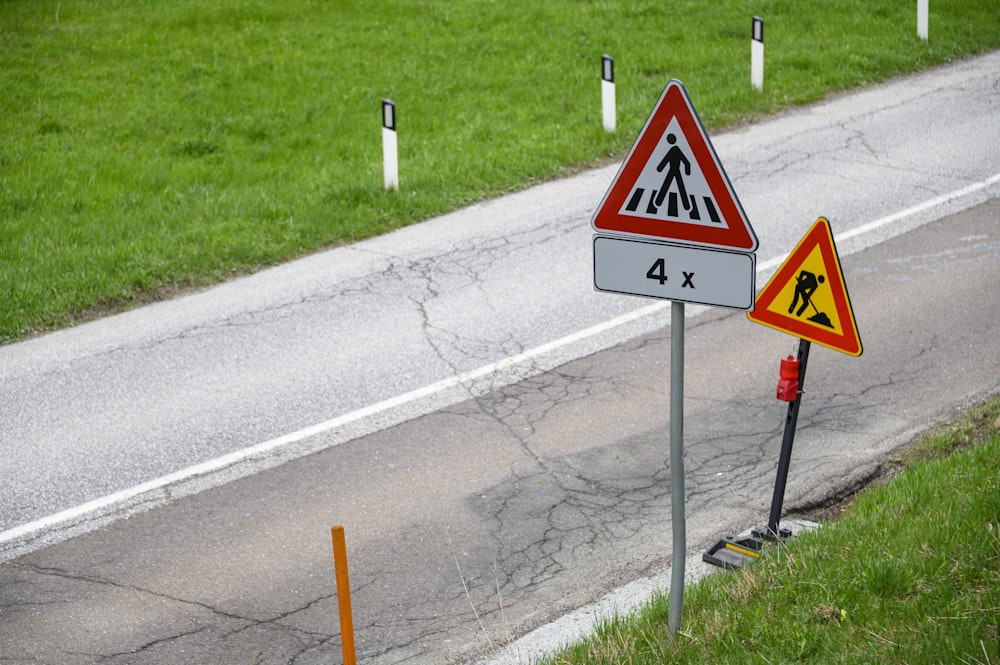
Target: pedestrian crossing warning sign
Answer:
pixel 807 296
pixel 672 184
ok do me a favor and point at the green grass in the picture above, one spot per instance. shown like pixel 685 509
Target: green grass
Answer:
pixel 147 147
pixel 910 575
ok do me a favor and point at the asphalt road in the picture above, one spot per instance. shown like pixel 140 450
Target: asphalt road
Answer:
pixel 108 415
pixel 378 374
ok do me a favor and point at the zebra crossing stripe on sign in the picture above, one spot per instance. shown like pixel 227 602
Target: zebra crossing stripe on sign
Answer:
pixel 672 185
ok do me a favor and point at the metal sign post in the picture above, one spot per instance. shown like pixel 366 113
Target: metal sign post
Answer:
pixel 785 457
pixel 677 465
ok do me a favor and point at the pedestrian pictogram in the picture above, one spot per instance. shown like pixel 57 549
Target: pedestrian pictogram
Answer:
pixel 673 159
pixel 807 296
pixel 672 184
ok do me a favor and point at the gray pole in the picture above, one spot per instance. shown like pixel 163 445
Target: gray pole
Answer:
pixel 677 464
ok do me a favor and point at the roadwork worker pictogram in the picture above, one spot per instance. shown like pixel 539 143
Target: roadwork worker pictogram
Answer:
pixel 805 286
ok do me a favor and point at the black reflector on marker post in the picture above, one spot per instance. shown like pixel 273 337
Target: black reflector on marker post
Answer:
pixel 757 53
pixel 608 92
pixel 388 114
pixel 390 158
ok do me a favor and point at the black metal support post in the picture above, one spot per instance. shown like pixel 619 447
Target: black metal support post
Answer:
pixel 785 457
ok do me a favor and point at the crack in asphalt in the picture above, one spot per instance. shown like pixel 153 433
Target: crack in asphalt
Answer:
pixel 102 658
pixel 306 639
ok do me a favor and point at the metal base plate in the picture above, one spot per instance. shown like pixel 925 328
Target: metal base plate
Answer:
pixel 733 552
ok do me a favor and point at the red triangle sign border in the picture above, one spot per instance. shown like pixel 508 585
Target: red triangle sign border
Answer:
pixel 820 235
pixel 733 232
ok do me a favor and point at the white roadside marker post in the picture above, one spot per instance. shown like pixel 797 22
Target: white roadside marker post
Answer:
pixel 757 53
pixel 608 92
pixel 922 19
pixel 390 157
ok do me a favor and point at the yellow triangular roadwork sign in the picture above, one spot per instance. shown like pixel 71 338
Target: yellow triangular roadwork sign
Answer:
pixel 807 296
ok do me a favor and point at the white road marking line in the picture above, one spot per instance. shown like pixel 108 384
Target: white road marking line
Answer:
pixel 105 503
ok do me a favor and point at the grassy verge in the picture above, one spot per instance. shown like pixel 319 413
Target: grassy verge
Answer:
pixel 910 574
pixel 147 147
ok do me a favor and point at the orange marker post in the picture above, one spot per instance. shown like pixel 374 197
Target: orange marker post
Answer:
pixel 343 594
